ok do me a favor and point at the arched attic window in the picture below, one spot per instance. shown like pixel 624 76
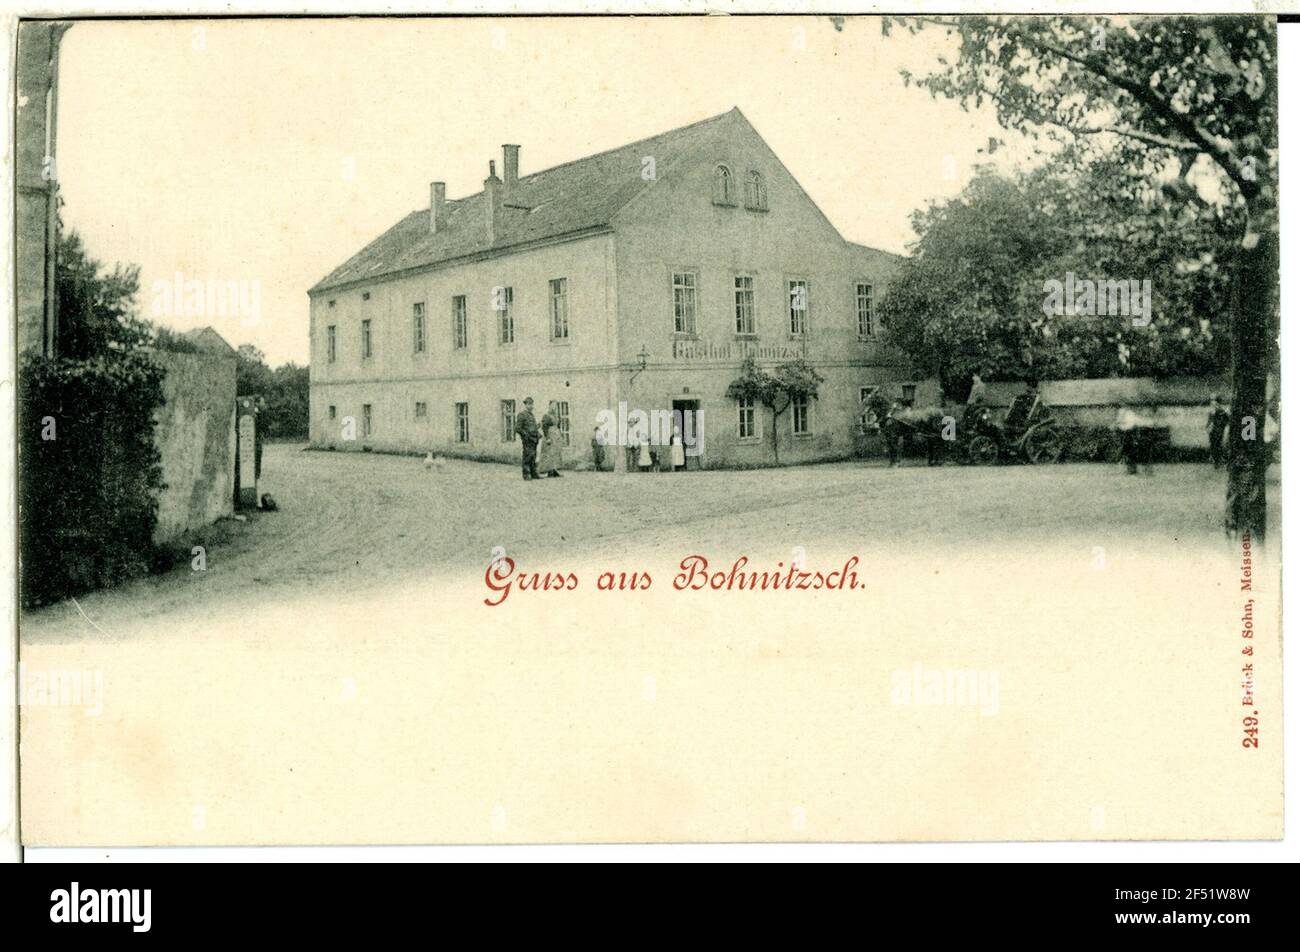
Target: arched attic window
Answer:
pixel 755 192
pixel 724 189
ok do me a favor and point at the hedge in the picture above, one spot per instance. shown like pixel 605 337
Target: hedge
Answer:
pixel 89 472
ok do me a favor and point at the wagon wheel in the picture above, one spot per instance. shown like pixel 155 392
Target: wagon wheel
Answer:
pixel 983 451
pixel 1043 446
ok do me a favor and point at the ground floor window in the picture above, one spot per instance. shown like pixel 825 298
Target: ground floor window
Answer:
pixel 421 409
pixel 560 410
pixel 748 419
pixel 507 421
pixel 801 414
pixel 462 423
pixel 865 415
pixel 333 411
pixel 367 420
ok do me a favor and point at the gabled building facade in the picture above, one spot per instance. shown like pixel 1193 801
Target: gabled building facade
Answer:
pixel 629 283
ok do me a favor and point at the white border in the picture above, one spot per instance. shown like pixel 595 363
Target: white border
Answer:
pixel 201 8
pixel 1254 852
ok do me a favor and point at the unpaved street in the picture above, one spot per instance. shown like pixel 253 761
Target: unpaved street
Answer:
pixel 348 522
pixel 335 676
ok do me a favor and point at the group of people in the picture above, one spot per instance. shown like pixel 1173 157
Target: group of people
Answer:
pixel 541 445
pixel 642 454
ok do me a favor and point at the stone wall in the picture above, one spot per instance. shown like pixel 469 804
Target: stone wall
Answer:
pixel 196 436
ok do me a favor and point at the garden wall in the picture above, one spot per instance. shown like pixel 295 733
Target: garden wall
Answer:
pixel 195 435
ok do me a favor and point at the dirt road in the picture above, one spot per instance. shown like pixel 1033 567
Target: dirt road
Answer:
pixel 334 675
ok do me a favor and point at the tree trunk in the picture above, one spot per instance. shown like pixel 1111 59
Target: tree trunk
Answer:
pixel 776 451
pixel 1253 343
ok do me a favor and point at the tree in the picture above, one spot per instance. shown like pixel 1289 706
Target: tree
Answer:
pixel 775 390
pixel 252 376
pixel 971 294
pixel 1188 102
pixel 96 307
pixel 964 299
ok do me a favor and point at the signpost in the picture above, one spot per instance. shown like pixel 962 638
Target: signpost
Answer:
pixel 246 465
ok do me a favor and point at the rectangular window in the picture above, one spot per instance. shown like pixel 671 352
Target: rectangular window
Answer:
pixel 417 326
pixel 560 309
pixel 684 302
pixel 798 294
pixel 462 423
pixel 421 409
pixel 459 323
pixel 507 421
pixel 331 343
pixel 365 339
pixel 748 419
pixel 367 420
pixel 866 316
pixel 801 414
pixel 864 414
pixel 333 411
pixel 560 410
pixel 744 304
pixel 503 299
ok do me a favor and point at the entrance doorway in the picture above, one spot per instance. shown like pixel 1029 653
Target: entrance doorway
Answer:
pixel 688 413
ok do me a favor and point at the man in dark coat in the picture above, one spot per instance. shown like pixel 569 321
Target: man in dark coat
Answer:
pixel 1216 425
pixel 528 433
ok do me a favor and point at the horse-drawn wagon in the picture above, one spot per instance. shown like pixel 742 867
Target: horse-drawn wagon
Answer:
pixel 1028 433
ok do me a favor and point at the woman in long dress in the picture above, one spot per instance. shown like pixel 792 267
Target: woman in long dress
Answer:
pixel 548 450
pixel 678 450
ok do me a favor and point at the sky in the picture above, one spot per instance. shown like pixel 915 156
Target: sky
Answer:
pixel 267 152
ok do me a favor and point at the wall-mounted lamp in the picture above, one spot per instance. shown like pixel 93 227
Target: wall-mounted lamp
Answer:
pixel 644 356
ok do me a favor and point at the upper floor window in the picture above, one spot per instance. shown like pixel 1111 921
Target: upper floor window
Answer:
pixel 684 302
pixel 798 299
pixel 367 420
pixel 755 192
pixel 560 309
pixel 331 343
pixel 724 188
pixel 417 322
pixel 744 304
pixel 866 310
pixel 459 323
pixel 366 350
pixel 503 299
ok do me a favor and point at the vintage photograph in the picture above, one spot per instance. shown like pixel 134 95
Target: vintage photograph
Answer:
pixel 634 430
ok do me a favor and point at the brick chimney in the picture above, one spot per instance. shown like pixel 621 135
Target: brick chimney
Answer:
pixel 511 155
pixel 493 198
pixel 437 207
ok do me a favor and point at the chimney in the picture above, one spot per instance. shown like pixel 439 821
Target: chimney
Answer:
pixel 511 153
pixel 437 207
pixel 492 202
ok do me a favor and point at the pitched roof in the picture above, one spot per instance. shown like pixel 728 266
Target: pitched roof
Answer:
pixel 567 199
pixel 879 252
pixel 208 340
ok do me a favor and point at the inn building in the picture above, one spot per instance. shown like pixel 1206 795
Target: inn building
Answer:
pixel 637 278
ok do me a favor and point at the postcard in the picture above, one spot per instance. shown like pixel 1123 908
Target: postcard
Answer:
pixel 661 429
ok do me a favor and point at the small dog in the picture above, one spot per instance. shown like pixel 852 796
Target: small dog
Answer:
pixel 268 503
